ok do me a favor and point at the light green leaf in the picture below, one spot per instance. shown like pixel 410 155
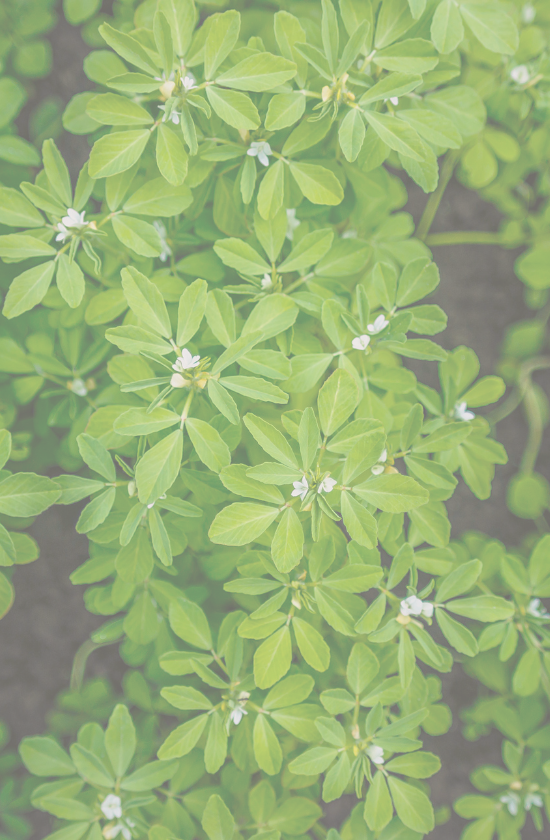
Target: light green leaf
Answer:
pixel 397 134
pixel 27 494
pixel 172 158
pixel 139 236
pixel 217 819
pixel 209 446
pixel 267 750
pixel 311 645
pixel 392 493
pixel 317 183
pixel 337 399
pixel 157 470
pixel 28 289
pixel 120 739
pixel 117 152
pixel 70 281
pixel 288 542
pixel 273 658
pixel 234 108
pixel 241 523
pixel 112 109
pixel 145 301
pixel 258 72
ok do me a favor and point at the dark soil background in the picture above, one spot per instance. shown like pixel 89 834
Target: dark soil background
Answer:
pixel 47 624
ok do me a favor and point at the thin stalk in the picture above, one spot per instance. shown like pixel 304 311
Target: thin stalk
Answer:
pixel 434 200
pixel 80 660
pixel 536 427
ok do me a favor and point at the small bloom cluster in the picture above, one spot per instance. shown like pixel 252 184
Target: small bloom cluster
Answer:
pixel 111 808
pixel 70 223
pixel 536 609
pixel 520 74
pixel 301 487
pixel 513 801
pixel 414 606
pixel 184 362
pixel 376 754
pixel 261 150
pixel 461 412
pixel 163 233
pixel 238 711
pixel 379 467
pixel 363 341
pixel 266 282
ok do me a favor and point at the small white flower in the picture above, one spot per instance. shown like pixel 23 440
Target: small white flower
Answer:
pixel 174 116
pixel 267 282
pixel 376 754
pixel 461 412
pixel 528 13
pixel 167 88
pixel 186 361
pixel 533 799
pixel 177 381
pixel 327 485
pixel 511 800
pixel 78 387
pixel 166 251
pixel 379 468
pixel 394 100
pixel 350 233
pixel 72 221
pixel 260 149
pixel 237 715
pixel 536 609
pixel 300 488
pixel 361 342
pixel 112 807
pixel 414 606
pixel 520 74
pixel 291 223
pixel 189 82
pixel 380 323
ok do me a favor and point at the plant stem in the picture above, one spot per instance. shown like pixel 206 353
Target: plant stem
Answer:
pixel 80 660
pixel 434 200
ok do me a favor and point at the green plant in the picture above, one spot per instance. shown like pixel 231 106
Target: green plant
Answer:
pixel 219 370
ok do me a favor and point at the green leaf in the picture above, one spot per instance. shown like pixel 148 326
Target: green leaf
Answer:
pixel 271 440
pixel 309 438
pixel 139 236
pixel 129 48
pixel 482 608
pixel 313 761
pixel 28 289
pixel 310 249
pixel 209 446
pixel 289 691
pixel 217 819
pixel 192 306
pixel 241 256
pixel 172 159
pixel 360 524
pixel 456 634
pixel 181 740
pixel 356 577
pixel 234 108
pixel 96 456
pixel 397 134
pixel 120 739
pixel 157 470
pixel 267 750
pixel 145 301
pixel 141 421
pixel 492 26
pixel 189 622
pixel 311 645
pixel 112 109
pixel 241 523
pixel 258 72
pixel 527 674
pixel 351 134
pixel 17 211
pixel 157 198
pixel 149 776
pixel 96 511
pixel 181 16
pixel 223 33
pixel 273 658
pixel 27 494
pixel 337 399
pixel 392 493
pixel 317 183
pixel 447 30
pixel 460 580
pixel 271 192
pixel 271 316
pixel 254 389
pixel 414 55
pixel 288 542
pixel 117 152
pixel 43 756
pixel 284 110
pixel 70 281
pixel 134 562
pixel 419 765
pixel 413 807
pixel 163 41
pixel 15 247
pixel 378 805
pixel 57 172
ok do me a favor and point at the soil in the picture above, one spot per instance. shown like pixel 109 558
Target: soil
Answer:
pixel 48 621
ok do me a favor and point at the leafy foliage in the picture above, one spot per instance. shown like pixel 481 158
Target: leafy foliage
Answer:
pixel 216 334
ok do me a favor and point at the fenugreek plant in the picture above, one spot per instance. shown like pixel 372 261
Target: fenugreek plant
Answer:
pixel 205 340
